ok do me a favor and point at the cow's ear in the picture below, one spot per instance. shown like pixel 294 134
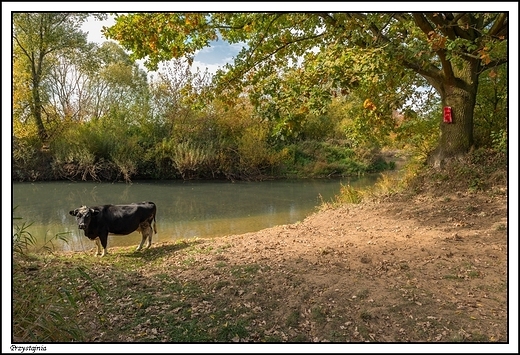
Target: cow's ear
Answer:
pixel 74 212
pixel 94 211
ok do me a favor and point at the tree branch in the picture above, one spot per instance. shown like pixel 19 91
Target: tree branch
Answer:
pixel 494 63
pixel 441 25
pixel 499 26
pixel 423 24
pixel 426 27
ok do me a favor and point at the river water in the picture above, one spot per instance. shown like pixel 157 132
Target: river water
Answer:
pixel 184 209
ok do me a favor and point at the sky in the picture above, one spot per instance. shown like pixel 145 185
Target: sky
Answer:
pixel 211 58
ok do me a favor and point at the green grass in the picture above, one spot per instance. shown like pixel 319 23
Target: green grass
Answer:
pixel 293 319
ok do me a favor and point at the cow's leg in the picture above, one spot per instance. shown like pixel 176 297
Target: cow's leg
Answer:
pixel 98 247
pixel 146 232
pixel 104 238
pixel 142 229
pixel 139 247
pixel 150 234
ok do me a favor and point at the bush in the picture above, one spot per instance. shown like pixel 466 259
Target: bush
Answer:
pixel 95 151
pixel 30 161
pixel 499 140
pixel 43 312
pixel 322 159
pixel 189 158
pixel 22 238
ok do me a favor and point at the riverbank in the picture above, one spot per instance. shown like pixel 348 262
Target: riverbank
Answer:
pixel 426 265
pixel 429 268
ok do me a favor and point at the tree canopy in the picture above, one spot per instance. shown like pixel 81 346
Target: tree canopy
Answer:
pixel 381 52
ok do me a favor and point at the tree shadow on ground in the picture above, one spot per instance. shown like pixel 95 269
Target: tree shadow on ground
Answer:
pixel 160 250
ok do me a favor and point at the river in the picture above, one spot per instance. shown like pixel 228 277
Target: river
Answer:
pixel 184 209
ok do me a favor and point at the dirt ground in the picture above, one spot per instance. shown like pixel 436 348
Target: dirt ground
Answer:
pixel 430 266
pixel 426 265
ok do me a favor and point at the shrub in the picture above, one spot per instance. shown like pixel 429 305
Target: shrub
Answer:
pixel 349 194
pixel 499 140
pixel 187 158
pixel 96 151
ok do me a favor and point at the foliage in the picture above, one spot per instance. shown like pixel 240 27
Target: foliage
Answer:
pixel 188 158
pixel 311 94
pixel 72 82
pixel 50 311
pixel 292 63
pixel 41 312
pixel 348 194
pixel 418 132
pixel 94 148
pixel 323 159
pixel 22 238
pixel 27 157
pixel 499 140
pixel 36 37
pixel 491 108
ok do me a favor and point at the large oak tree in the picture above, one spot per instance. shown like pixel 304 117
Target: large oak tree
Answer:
pixel 449 50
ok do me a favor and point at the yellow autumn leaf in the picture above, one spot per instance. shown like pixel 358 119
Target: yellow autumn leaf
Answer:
pixel 486 58
pixel 368 104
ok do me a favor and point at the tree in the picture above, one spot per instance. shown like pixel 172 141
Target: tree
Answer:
pixel 36 37
pixel 448 50
pixel 94 81
pixel 66 85
pixel 118 87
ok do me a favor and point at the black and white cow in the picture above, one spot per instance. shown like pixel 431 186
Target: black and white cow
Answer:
pixel 99 221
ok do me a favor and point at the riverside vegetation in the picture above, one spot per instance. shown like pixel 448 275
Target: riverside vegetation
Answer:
pixel 230 144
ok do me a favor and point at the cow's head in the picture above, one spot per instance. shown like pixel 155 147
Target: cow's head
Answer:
pixel 83 216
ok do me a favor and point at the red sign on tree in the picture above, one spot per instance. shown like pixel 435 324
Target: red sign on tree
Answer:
pixel 447 114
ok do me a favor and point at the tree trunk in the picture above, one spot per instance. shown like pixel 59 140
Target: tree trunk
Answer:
pixel 37 113
pixel 37 102
pixel 459 93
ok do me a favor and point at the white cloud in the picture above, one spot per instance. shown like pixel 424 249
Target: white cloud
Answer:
pixel 212 68
pixel 93 27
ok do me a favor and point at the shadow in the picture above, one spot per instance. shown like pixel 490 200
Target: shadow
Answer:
pixel 159 250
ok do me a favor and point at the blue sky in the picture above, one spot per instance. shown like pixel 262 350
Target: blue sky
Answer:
pixel 218 54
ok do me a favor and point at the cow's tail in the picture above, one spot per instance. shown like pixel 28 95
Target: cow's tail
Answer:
pixel 154 225
pixel 154 212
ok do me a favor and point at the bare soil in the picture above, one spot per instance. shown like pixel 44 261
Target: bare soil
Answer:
pixel 428 265
pixel 428 268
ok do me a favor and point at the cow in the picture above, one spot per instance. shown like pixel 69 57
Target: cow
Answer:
pixel 98 221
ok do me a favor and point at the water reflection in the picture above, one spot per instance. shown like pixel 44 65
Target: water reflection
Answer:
pixel 184 209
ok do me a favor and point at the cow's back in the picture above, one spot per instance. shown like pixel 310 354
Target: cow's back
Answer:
pixel 125 219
